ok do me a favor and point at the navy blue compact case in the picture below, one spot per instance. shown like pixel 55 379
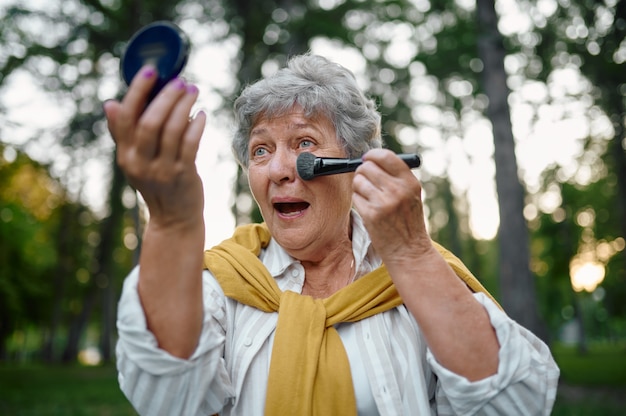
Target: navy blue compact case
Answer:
pixel 161 44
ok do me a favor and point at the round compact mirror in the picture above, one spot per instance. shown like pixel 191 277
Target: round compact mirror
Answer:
pixel 161 44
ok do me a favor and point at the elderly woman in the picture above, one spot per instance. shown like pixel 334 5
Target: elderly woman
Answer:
pixel 338 304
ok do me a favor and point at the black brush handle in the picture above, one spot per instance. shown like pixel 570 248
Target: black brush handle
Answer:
pixel 331 166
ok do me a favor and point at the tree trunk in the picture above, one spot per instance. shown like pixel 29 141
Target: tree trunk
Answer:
pixel 616 149
pixel 517 288
pixel 452 230
pixel 64 268
pixel 111 231
pixel 102 280
pixel 78 325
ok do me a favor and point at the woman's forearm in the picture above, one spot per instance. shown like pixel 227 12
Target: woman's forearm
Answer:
pixel 170 284
pixel 456 326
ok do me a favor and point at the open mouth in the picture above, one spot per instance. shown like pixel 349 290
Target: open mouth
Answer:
pixel 291 208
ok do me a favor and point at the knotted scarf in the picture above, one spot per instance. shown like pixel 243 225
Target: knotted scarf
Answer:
pixel 309 369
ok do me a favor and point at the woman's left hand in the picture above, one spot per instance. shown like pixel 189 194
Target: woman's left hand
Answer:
pixel 388 197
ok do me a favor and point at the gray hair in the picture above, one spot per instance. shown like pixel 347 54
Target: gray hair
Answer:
pixel 320 87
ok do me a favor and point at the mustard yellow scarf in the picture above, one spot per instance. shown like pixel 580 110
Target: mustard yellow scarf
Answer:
pixel 309 369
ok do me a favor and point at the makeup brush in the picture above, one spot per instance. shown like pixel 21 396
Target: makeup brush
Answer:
pixel 309 166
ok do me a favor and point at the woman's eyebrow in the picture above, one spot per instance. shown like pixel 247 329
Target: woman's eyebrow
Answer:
pixel 299 125
pixel 258 130
pixel 292 126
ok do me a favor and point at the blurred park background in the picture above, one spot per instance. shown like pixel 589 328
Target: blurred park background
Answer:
pixel 517 108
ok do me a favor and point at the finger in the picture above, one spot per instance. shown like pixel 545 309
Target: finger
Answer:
pixel 373 178
pixel 191 139
pixel 387 172
pixel 388 161
pixel 385 194
pixel 362 205
pixel 363 187
pixel 111 109
pixel 139 90
pixel 150 126
pixel 123 117
pixel 176 125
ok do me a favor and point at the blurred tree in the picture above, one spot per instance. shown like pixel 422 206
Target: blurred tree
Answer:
pixel 66 49
pixel 590 35
pixel 115 25
pixel 580 226
pixel 585 37
pixel 420 62
pixel 28 200
pixel 517 285
pixel 69 235
pixel 400 46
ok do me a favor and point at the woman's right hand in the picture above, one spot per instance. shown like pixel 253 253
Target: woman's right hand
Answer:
pixel 157 146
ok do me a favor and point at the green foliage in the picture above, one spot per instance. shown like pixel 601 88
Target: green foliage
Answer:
pixel 27 254
pixel 67 49
pixel 559 236
pixel 27 248
pixel 587 35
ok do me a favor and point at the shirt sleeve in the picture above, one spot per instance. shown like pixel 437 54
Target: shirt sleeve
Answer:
pixel 525 383
pixel 158 383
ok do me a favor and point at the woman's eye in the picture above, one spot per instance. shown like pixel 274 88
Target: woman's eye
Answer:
pixel 259 151
pixel 306 143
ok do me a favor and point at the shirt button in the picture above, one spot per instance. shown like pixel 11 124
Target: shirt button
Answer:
pixel 247 342
pixel 295 273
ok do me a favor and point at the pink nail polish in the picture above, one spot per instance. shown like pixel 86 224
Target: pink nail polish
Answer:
pixel 178 83
pixel 149 72
pixel 192 89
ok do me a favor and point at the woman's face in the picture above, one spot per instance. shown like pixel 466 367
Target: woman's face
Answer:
pixel 307 218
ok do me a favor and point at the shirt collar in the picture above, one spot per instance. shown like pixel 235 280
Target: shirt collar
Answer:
pixel 277 261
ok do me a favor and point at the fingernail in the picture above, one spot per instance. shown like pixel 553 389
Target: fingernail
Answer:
pixel 197 114
pixel 178 83
pixel 148 72
pixel 192 89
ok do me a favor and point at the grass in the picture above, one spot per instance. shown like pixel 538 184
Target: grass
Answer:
pixel 604 364
pixel 61 391
pixel 590 385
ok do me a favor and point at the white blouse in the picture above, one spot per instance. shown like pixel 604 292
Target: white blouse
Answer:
pixel 393 371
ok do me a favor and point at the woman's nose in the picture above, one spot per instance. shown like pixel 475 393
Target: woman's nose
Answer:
pixel 282 167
